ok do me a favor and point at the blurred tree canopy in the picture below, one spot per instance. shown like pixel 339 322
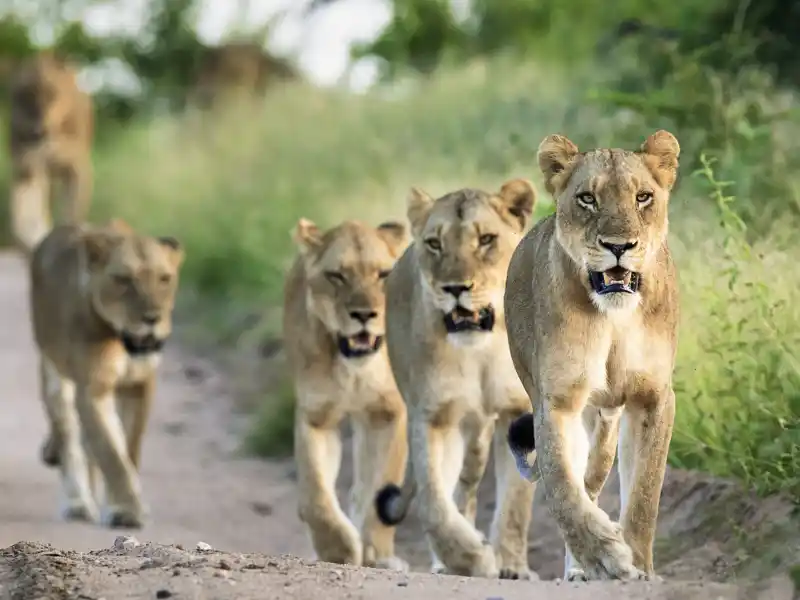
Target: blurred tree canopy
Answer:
pixel 426 33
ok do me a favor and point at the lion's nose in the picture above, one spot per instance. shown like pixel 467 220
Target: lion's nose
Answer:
pixel 457 289
pixel 151 318
pixel 363 316
pixel 616 248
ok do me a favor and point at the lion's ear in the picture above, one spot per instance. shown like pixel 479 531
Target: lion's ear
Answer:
pixel 518 197
pixel 555 157
pixel 120 226
pixel 661 152
pixel 174 247
pixel 307 236
pixel 395 235
pixel 419 206
pixel 98 244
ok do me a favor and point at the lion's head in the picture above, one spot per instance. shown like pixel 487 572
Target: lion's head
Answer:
pixel 464 242
pixel 132 283
pixel 345 269
pixel 611 211
pixel 37 95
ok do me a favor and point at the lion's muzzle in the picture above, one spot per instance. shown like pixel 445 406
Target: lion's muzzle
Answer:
pixel 461 319
pixel 615 280
pixel 359 345
pixel 141 345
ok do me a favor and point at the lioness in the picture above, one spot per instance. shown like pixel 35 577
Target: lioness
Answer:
pixel 50 139
pixel 236 68
pixel 448 350
pixel 592 314
pixel 101 303
pixel 333 329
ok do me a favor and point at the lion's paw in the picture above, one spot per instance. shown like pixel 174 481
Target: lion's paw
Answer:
pixel 392 563
pixel 576 574
pixel 119 518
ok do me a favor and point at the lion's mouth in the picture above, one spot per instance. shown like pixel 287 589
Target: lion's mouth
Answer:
pixel 141 345
pixel 360 344
pixel 614 280
pixel 461 319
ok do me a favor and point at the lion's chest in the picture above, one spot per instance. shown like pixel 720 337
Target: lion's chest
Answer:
pixel 478 380
pixel 351 388
pixel 136 369
pixel 626 353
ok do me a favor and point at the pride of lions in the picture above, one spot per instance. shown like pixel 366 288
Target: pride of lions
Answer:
pixel 466 330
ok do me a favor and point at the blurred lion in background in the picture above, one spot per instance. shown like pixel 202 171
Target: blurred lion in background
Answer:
pixel 50 141
pixel 236 70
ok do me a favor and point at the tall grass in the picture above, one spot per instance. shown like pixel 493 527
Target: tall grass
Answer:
pixel 232 191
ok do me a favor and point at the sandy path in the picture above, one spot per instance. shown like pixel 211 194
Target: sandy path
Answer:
pixel 197 490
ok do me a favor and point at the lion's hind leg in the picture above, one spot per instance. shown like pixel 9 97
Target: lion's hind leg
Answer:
pixel 65 446
pixel 513 508
pixel 318 452
pixel 438 455
pixel 380 453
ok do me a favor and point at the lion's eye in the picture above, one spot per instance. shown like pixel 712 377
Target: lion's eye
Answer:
pixel 587 199
pixel 165 278
pixel 122 280
pixel 644 198
pixel 433 244
pixel 384 274
pixel 335 277
pixel 487 238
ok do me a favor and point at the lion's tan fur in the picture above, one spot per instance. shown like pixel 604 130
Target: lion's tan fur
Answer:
pixel 88 287
pixel 460 388
pixel 337 274
pixel 50 139
pixel 612 355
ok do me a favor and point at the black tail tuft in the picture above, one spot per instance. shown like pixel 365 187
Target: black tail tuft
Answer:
pixel 520 434
pixel 386 503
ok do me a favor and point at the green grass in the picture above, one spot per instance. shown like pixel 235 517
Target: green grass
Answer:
pixel 233 193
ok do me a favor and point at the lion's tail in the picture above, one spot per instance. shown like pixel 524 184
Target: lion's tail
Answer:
pixel 30 213
pixel 522 443
pixel 392 502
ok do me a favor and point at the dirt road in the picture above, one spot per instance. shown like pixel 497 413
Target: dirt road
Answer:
pixel 198 490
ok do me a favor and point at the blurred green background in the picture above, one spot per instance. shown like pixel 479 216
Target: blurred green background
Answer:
pixel 465 93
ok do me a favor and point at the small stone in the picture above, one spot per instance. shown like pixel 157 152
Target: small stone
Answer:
pixel 126 542
pixel 402 584
pixel 203 547
pixel 180 546
pixel 163 594
pixel 225 565
pixel 176 572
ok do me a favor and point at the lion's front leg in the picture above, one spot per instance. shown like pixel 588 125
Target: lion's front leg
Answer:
pixel 643 447
pixel 318 452
pixel 380 454
pixel 105 438
pixel 595 542
pixel 602 427
pixel 437 452
pixel 134 402
pixel 64 444
pixel 30 205
pixel 513 507
pixel 78 190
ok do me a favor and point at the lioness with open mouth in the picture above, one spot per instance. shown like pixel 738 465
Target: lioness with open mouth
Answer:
pixel 449 354
pixel 592 313
pixel 333 329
